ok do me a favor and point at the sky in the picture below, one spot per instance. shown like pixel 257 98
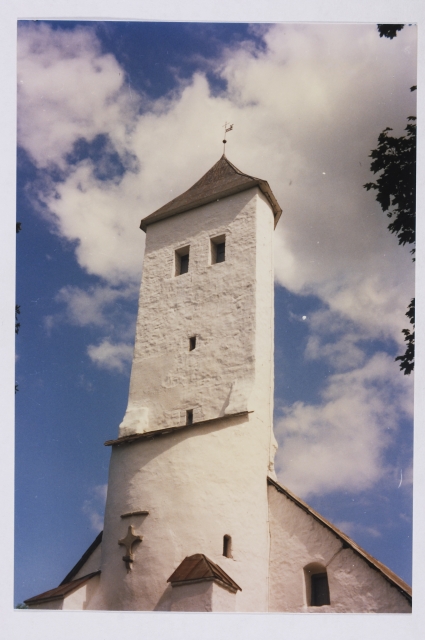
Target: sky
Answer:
pixel 115 120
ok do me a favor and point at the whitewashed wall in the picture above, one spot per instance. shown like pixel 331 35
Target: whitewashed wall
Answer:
pixel 296 540
pixel 91 565
pixel 202 597
pixel 221 304
pixel 209 481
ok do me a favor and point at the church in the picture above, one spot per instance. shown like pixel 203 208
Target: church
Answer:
pixel 195 518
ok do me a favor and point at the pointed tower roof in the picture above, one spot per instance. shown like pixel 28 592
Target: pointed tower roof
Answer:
pixel 222 180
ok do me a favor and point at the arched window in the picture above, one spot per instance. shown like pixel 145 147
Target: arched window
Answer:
pixel 317 586
pixel 227 546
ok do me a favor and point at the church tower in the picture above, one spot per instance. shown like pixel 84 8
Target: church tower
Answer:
pixel 195 519
pixel 188 471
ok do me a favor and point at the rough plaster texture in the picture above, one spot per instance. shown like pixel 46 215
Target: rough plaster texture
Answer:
pixel 202 596
pixel 227 306
pixel 199 484
pixel 210 481
pixel 297 540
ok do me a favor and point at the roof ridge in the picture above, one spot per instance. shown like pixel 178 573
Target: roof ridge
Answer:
pixel 241 173
pixel 198 568
pixel 211 565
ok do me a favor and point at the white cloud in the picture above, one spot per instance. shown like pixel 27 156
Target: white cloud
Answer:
pixel 92 306
pixel 114 357
pixel 343 354
pixel 94 506
pixel 68 89
pixel 341 443
pixel 102 218
pixel 307 111
pixel 353 528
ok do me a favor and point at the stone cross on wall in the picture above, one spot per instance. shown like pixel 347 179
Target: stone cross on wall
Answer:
pixel 128 542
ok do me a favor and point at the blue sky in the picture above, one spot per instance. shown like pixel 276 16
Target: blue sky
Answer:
pixel 114 120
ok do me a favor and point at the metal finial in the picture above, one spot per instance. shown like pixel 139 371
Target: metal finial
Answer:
pixel 227 127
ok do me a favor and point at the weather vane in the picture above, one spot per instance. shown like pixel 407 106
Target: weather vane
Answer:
pixel 227 127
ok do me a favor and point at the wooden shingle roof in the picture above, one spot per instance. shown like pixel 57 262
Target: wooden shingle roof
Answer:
pixel 199 568
pixel 60 592
pixel 222 180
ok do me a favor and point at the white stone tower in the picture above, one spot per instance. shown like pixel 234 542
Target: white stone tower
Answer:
pixel 189 469
pixel 195 519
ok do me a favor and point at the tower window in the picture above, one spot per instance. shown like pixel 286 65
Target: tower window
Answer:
pixel 192 343
pixel 184 264
pixel 189 416
pixel 218 249
pixel 182 261
pixel 221 252
pixel 227 546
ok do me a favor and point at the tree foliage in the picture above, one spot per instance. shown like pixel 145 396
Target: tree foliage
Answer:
pixel 17 306
pixel 17 312
pixel 395 161
pixel 395 158
pixel 389 30
pixel 407 360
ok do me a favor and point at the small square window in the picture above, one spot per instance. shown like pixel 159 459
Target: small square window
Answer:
pixel 189 416
pixel 192 343
pixel 182 261
pixel 218 249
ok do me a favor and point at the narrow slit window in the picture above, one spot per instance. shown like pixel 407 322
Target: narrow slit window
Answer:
pixel 192 343
pixel 319 590
pixel 182 261
pixel 218 249
pixel 227 546
pixel 189 416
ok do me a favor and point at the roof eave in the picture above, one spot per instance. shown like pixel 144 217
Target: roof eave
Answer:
pixel 199 202
pixel 162 432
pixel 222 583
pixel 61 592
pixel 188 573
pixel 277 211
